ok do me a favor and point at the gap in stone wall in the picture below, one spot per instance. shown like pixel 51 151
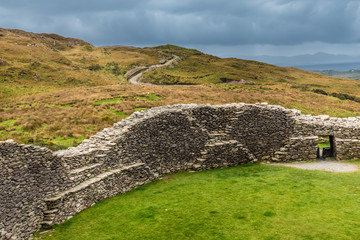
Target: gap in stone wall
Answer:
pixel 326 147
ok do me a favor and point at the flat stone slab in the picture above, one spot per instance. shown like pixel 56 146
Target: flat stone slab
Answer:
pixel 330 166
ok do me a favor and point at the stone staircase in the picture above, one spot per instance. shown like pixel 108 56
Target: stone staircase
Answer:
pixel 296 145
pixel 93 185
pixel 90 181
pixel 220 149
pixel 79 175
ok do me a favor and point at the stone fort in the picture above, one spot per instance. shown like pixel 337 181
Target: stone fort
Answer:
pixel 39 187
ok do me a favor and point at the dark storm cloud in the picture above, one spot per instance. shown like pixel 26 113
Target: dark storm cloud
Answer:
pixel 201 22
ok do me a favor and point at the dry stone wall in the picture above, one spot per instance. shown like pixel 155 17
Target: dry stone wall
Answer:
pixel 28 174
pixel 39 187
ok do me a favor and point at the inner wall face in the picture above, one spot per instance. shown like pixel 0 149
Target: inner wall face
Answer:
pixel 263 131
pixel 166 140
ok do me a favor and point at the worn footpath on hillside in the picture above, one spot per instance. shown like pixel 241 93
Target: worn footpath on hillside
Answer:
pixel 135 74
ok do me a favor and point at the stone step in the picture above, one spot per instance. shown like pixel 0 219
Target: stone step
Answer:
pixel 81 174
pixel 49 217
pixel 220 143
pixel 54 204
pixel 217 134
pixel 51 211
pixel 280 153
pixel 85 168
pixel 201 159
pixel 88 182
pixel 46 224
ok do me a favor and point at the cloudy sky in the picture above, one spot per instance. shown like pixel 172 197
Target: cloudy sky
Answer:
pixel 227 28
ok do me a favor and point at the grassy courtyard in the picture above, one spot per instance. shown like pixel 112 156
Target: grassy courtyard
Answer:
pixel 246 202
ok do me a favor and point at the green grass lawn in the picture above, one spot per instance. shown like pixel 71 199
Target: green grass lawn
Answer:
pixel 322 145
pixel 245 202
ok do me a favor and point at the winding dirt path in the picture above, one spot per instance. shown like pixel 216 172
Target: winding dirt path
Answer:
pixel 135 74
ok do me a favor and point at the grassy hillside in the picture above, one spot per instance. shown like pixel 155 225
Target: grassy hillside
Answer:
pixel 199 68
pixel 56 91
pixel 33 63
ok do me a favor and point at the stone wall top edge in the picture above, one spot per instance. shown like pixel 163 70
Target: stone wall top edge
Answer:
pixel 12 143
pixel 110 134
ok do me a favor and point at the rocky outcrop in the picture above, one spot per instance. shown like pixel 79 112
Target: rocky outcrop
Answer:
pixel 39 187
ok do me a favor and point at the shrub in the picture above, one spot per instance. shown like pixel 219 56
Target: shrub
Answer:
pixel 31 124
pixel 87 48
pixel 113 67
pixel 106 118
pixel 63 60
pixel 344 96
pixel 320 91
pixel 94 67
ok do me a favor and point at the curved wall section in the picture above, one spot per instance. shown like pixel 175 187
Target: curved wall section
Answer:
pixel 39 187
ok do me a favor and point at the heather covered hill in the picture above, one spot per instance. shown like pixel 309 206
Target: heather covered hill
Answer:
pixel 56 91
pixel 32 63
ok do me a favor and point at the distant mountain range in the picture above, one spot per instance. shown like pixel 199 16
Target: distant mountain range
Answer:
pixel 340 67
pixel 318 61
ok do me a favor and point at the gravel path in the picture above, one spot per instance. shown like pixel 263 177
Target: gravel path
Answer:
pixel 330 166
pixel 134 78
